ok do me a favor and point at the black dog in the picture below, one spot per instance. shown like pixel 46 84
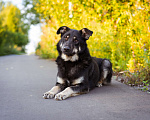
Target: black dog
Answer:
pixel 78 72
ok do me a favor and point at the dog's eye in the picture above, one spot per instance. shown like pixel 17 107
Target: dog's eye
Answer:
pixel 76 40
pixel 66 37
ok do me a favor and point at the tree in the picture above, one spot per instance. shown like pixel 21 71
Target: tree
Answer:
pixel 13 31
pixel 1 5
pixel 30 15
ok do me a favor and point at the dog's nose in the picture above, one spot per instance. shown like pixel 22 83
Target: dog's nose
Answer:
pixel 66 48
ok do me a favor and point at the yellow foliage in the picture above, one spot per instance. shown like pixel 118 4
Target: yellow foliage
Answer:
pixel 10 17
pixel 121 29
pixel 131 65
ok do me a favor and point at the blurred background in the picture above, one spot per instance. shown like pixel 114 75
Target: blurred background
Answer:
pixel 32 30
pixel 121 30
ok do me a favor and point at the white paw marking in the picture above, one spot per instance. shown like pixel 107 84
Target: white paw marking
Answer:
pixel 60 96
pixel 48 95
pixel 68 92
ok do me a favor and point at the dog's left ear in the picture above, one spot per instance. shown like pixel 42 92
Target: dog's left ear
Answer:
pixel 62 30
pixel 86 33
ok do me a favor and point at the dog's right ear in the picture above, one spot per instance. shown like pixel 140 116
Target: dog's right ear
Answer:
pixel 62 30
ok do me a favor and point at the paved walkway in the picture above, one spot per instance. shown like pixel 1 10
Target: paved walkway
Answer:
pixel 24 79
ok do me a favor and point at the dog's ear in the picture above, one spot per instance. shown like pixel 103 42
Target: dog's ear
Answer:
pixel 62 30
pixel 86 33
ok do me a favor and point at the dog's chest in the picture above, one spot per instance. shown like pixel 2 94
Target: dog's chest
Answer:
pixel 72 71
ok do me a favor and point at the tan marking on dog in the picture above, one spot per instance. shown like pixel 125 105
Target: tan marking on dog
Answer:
pixel 78 80
pixel 75 50
pixel 105 73
pixel 61 45
pixel 63 30
pixel 60 80
pixel 65 57
pixel 99 84
pixel 55 89
pixel 73 58
pixel 79 48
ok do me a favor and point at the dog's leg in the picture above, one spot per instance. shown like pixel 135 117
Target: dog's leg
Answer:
pixel 99 84
pixel 107 71
pixel 60 85
pixel 105 74
pixel 71 91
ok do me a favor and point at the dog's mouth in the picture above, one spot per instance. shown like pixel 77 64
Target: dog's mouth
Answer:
pixel 68 53
pixel 69 56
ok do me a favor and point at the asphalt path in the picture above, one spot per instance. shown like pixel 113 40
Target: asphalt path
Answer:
pixel 24 79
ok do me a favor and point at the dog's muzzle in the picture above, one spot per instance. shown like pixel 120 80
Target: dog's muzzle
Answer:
pixel 66 49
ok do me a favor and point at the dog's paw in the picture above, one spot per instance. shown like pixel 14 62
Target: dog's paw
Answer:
pixel 99 85
pixel 48 95
pixel 60 96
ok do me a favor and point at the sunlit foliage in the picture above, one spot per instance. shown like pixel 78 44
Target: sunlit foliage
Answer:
pixel 121 30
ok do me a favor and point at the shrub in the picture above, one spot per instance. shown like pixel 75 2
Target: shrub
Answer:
pixel 121 30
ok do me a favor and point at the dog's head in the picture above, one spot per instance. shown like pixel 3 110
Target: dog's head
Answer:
pixel 72 42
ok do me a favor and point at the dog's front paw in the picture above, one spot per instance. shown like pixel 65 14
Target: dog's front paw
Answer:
pixel 48 95
pixel 60 96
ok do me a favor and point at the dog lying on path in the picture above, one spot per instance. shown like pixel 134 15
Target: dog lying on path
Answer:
pixel 78 72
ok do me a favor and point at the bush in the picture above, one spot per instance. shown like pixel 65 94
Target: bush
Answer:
pixel 121 30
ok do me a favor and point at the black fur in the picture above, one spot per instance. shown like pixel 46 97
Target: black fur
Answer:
pixel 77 70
